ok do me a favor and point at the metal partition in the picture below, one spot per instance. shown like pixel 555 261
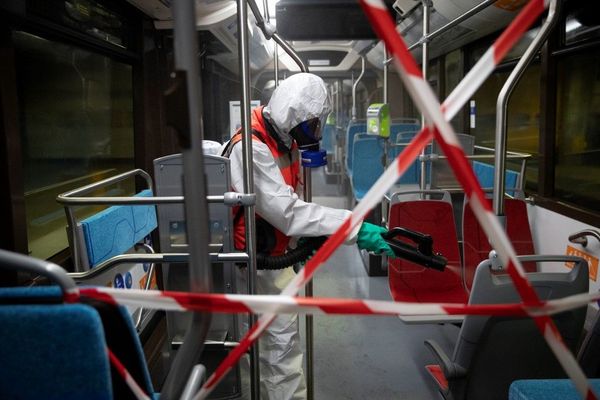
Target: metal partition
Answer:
pixel 223 330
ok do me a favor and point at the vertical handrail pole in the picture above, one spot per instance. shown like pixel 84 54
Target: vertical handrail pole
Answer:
pixel 196 207
pixel 362 72
pixel 249 212
pixel 272 34
pixel 276 63
pixel 385 75
pixel 308 292
pixel 502 104
pixel 425 68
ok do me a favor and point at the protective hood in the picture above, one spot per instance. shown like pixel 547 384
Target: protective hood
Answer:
pixel 297 99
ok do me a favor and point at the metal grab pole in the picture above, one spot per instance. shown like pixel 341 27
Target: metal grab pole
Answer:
pixel 249 216
pixel 425 67
pixel 275 46
pixel 385 75
pixel 502 104
pixel 196 208
pixel 362 72
pixel 308 292
pixel 290 51
pixel 270 33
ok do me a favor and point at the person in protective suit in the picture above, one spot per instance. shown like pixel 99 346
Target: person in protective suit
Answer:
pixel 292 120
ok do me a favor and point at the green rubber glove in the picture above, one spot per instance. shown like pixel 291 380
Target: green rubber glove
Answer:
pixel 369 238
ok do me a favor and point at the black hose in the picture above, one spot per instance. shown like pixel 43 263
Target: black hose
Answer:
pixel 294 256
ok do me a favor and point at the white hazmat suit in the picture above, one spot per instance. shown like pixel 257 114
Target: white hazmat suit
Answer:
pixel 300 98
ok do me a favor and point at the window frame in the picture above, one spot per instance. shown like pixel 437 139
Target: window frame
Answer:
pixel 14 236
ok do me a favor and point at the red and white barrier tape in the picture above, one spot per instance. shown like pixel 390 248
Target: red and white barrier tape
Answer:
pixel 425 99
pixel 135 388
pixel 389 177
pixel 278 304
pixel 74 296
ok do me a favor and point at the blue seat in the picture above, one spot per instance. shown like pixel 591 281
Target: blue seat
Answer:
pixel 412 174
pixel 547 389
pixel 117 229
pixel 405 131
pixel 353 129
pixel 367 153
pixel 485 175
pixel 52 350
pixel 329 138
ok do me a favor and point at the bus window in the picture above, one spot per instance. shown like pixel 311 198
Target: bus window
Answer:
pixel 577 173
pixel 76 119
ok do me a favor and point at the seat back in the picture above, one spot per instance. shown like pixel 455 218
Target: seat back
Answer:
pixel 402 139
pixel 368 153
pixel 485 176
pixel 403 129
pixel 53 350
pixel 495 351
pixel 415 283
pixel 476 246
pixel 442 176
pixel 353 129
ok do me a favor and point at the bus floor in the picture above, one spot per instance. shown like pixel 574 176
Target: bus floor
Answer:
pixel 366 357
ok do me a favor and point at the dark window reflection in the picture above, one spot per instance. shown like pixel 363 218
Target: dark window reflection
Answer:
pixel 578 131
pixel 77 127
pixel 523 127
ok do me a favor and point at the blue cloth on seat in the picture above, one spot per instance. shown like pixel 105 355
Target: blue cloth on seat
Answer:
pixel 115 230
pixel 547 389
pixel 52 351
pixel 42 293
pixel 368 152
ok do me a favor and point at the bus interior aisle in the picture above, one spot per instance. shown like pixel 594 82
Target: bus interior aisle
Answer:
pixel 367 357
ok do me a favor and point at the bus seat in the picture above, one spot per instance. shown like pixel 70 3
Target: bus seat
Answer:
pixel 485 175
pixel 442 176
pixel 115 230
pixel 367 156
pixel 53 350
pixel 411 176
pixel 476 246
pixel 407 130
pixel 414 283
pixel 492 352
pixel 547 389
pixel 353 129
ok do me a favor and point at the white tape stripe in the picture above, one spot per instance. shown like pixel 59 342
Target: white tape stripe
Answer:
pixel 469 85
pixel 404 308
pixel 135 388
pixel 376 4
pixel 289 304
pixel 433 110
pixel 149 298
pixel 263 322
pixel 568 362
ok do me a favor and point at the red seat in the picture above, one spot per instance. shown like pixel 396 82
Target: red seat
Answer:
pixel 476 246
pixel 410 282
